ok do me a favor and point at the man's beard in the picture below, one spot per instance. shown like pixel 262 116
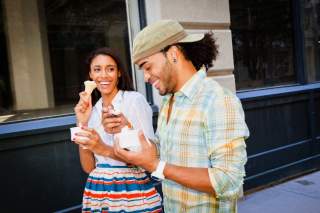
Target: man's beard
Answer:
pixel 167 81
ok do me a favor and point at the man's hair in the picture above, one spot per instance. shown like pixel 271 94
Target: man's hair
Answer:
pixel 201 52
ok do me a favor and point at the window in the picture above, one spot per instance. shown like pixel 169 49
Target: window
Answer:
pixel 43 47
pixel 5 94
pixel 311 29
pixel 262 36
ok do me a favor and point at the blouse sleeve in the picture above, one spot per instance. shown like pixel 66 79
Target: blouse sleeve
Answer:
pixel 141 115
pixel 93 120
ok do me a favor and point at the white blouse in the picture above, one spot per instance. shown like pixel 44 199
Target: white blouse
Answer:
pixel 134 107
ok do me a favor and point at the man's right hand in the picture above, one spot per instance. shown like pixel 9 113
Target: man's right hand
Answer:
pixel 83 109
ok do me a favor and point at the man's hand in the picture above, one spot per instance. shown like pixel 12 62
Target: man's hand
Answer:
pixel 146 158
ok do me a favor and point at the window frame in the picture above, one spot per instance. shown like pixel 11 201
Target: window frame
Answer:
pixel 301 84
pixel 143 23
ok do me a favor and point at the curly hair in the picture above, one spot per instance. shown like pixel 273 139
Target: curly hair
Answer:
pixel 200 53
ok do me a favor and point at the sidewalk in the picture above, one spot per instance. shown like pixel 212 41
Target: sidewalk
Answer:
pixel 301 195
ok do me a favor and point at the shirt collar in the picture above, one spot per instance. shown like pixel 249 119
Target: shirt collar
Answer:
pixel 116 101
pixel 190 88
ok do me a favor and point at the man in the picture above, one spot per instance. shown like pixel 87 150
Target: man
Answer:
pixel 201 126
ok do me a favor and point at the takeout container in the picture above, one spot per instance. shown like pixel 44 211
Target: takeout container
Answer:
pixel 129 139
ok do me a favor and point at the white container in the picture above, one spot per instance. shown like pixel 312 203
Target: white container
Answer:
pixel 129 139
pixel 74 130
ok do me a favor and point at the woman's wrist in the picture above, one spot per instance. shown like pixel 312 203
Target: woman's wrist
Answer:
pixel 84 150
pixel 104 150
pixel 80 124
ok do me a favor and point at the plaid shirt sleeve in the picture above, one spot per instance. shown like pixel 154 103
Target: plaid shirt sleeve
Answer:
pixel 225 133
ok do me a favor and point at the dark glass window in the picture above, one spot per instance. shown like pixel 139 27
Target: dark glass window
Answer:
pixel 43 47
pixel 5 88
pixel 75 28
pixel 262 36
pixel 311 29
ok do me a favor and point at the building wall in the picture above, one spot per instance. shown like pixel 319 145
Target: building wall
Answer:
pixel 30 65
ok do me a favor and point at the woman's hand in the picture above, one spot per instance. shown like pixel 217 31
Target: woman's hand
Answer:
pixel 113 123
pixel 83 109
pixel 89 139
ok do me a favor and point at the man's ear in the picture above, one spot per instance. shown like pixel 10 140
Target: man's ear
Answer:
pixel 173 53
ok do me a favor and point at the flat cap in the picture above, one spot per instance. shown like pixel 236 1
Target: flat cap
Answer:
pixel 159 35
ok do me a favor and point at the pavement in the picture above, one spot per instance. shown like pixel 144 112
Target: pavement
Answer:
pixel 300 195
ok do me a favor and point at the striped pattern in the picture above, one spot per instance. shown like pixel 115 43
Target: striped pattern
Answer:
pixel 120 189
pixel 206 130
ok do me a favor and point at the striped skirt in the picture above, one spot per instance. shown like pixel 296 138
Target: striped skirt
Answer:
pixel 120 189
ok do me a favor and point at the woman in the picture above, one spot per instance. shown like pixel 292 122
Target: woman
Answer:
pixel 112 186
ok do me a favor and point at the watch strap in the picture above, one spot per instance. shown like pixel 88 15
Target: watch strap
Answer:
pixel 158 173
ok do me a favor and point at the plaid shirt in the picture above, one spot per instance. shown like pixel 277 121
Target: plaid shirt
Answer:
pixel 207 130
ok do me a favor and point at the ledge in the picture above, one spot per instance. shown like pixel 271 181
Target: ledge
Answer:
pixel 276 91
pixel 18 128
pixel 36 126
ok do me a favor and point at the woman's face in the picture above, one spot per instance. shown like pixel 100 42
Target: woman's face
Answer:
pixel 104 71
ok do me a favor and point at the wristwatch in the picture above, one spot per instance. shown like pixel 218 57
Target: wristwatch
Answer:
pixel 158 173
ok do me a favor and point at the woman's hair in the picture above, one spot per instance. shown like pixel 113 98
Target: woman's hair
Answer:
pixel 125 81
pixel 201 52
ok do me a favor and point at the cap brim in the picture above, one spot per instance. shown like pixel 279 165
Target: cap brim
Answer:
pixel 192 38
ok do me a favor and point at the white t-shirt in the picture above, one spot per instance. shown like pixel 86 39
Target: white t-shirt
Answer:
pixel 134 107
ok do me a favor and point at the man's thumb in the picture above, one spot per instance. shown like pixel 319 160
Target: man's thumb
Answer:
pixel 143 139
